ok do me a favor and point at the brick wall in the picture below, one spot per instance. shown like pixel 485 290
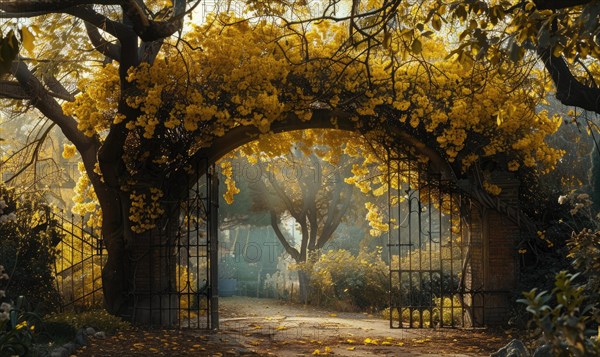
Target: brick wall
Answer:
pixel 501 238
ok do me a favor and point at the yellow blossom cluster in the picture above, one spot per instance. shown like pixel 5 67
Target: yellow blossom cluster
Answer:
pixel 86 202
pixel 144 209
pixel 256 73
pixel 231 188
pixel 376 220
pixel 492 188
pixel 96 106
pixel 68 151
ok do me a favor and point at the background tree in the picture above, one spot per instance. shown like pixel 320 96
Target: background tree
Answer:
pixel 307 189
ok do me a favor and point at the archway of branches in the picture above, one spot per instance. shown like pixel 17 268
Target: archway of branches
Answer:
pixel 434 251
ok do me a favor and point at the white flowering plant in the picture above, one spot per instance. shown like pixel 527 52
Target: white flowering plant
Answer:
pixel 16 330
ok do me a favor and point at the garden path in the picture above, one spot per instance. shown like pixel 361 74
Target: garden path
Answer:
pixel 269 327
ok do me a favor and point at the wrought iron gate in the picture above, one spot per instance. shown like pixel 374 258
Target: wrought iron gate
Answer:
pixel 192 301
pixel 78 266
pixel 434 250
pixel 196 250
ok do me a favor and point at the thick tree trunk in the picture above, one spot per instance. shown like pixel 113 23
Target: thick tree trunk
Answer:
pixel 303 286
pixel 140 275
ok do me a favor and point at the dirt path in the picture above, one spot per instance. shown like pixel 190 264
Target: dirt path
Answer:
pixel 273 327
pixel 266 327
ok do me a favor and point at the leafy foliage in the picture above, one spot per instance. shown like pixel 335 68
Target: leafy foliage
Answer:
pixel 565 319
pixel 98 319
pixel 562 319
pixel 16 331
pixel 339 278
pixel 28 240
pixel 584 250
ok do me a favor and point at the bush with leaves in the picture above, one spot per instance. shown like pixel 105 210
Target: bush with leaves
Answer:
pixel 98 319
pixel 27 238
pixel 562 320
pixel 584 250
pixel 566 318
pixel 16 331
pixel 343 280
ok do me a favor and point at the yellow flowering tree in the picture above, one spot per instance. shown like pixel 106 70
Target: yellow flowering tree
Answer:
pixel 154 95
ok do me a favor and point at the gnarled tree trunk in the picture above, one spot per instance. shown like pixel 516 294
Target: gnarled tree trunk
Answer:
pixel 140 275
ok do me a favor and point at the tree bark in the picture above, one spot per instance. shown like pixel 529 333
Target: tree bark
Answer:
pixel 303 286
pixel 140 275
pixel 569 90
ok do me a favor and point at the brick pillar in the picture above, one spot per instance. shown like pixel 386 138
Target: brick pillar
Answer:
pixel 501 237
pixel 492 260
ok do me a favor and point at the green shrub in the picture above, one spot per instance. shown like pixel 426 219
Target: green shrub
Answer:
pixel 584 250
pixel 341 279
pixel 98 319
pixel 562 320
pixel 27 238
pixel 16 329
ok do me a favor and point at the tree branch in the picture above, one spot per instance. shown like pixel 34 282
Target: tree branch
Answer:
pixel 569 90
pixel 293 252
pixel 12 90
pixel 45 103
pixel 36 6
pixel 57 90
pixel 150 30
pixel 87 14
pixel 332 225
pixel 286 200
pixel 558 4
pixel 102 45
pixel 35 155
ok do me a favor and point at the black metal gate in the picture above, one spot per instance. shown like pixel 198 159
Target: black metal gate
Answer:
pixel 435 265
pixel 191 301
pixel 197 249
pixel 79 263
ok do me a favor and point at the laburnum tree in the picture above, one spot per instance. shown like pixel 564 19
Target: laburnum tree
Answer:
pixel 563 35
pixel 142 92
